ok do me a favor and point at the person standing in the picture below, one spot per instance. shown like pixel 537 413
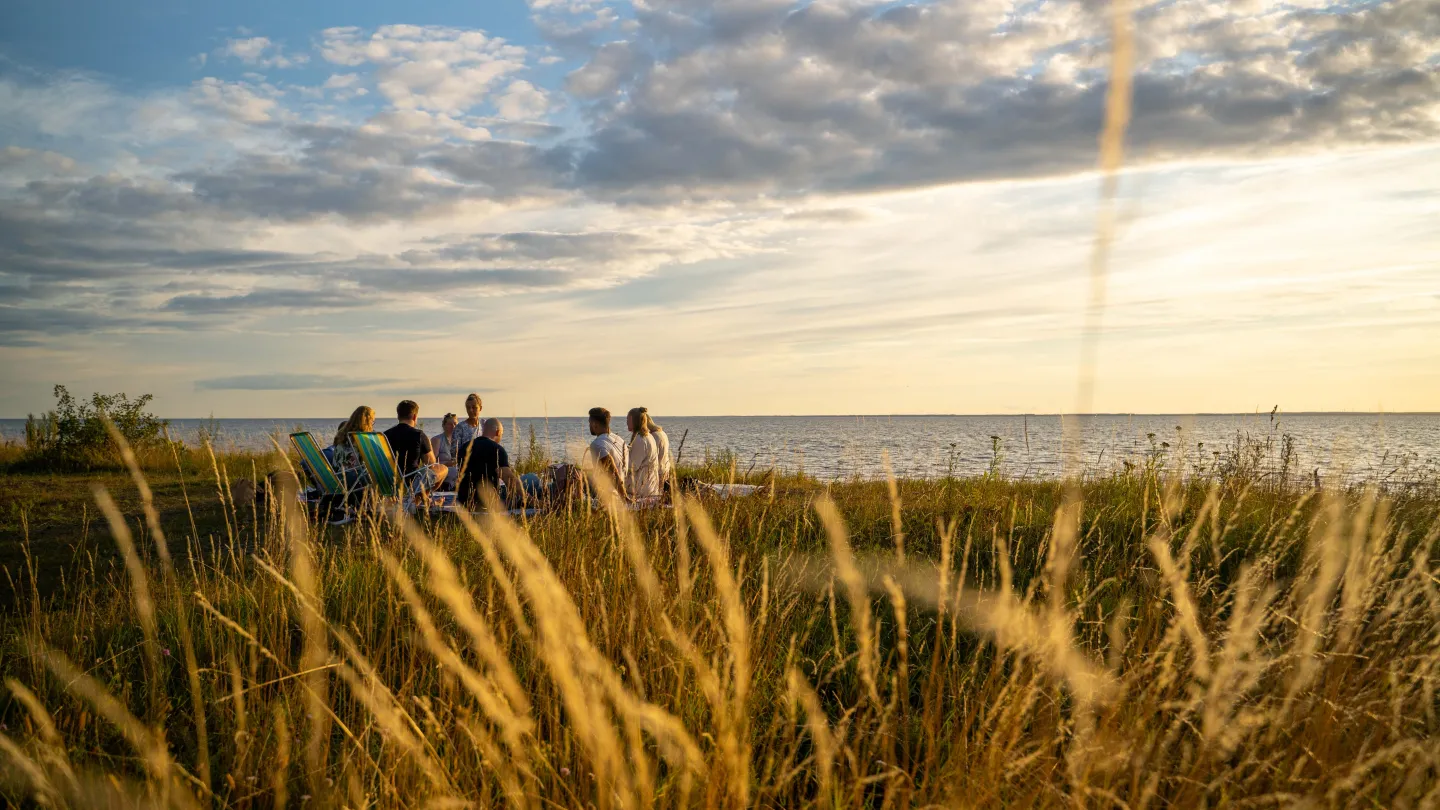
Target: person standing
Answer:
pixel 642 474
pixel 467 430
pixel 413 451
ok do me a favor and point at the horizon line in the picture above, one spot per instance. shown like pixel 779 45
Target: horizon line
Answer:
pixel 831 415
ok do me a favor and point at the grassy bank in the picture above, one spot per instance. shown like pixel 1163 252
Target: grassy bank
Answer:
pixel 965 642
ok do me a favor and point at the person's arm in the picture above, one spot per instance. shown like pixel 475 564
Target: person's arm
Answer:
pixel 429 456
pixel 514 487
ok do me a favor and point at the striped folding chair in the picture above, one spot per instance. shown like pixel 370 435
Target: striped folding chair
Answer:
pixel 323 476
pixel 385 475
pixel 316 466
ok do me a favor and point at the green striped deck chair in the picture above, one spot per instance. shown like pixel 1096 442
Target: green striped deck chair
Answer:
pixel 385 476
pixel 313 460
pixel 379 461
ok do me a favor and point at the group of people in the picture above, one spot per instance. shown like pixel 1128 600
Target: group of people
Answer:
pixel 467 456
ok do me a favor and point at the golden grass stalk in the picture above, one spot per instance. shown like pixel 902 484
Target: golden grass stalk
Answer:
pixel 856 592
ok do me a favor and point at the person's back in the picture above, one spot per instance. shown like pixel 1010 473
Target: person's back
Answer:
pixel 410 445
pixel 662 449
pixel 611 446
pixel 481 460
pixel 642 476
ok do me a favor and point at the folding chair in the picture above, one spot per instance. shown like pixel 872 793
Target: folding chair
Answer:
pixel 326 481
pixel 385 477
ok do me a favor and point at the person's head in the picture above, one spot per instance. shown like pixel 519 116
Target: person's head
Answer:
pixel 492 429
pixel 448 424
pixel 407 411
pixel 361 421
pixel 473 406
pixel 638 420
pixel 599 421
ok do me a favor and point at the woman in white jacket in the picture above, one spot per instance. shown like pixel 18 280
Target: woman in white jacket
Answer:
pixel 643 481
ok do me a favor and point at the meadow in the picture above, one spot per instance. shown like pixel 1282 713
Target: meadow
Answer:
pixel 1150 637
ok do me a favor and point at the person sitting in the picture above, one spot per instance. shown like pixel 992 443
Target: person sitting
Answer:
pixel 329 452
pixel 484 462
pixel 414 455
pixel 642 474
pixel 662 451
pixel 444 444
pixel 467 430
pixel 606 451
pixel 346 456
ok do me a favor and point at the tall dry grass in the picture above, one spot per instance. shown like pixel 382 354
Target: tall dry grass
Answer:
pixel 1147 640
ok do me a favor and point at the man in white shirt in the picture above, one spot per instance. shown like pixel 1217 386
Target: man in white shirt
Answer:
pixel 607 451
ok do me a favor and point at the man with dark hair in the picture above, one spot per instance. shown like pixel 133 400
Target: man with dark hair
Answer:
pixel 413 450
pixel 607 451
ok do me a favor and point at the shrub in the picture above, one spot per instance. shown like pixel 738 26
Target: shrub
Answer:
pixel 73 436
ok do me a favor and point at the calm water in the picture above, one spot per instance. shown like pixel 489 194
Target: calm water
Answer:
pixel 1395 447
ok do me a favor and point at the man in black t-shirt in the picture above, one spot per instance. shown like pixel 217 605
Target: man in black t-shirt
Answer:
pixel 483 462
pixel 413 450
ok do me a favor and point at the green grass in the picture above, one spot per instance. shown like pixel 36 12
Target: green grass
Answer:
pixel 1164 642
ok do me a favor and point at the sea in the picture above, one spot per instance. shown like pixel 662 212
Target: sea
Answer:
pixel 1393 448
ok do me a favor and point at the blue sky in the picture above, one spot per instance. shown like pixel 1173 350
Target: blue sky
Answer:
pixel 737 206
pixel 155 44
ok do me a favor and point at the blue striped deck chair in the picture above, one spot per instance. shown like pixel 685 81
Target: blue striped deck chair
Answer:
pixel 316 466
pixel 385 475
pixel 334 497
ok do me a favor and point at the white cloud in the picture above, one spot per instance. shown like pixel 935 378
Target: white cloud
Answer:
pixel 432 68
pixel 243 102
pixel 261 52
pixel 522 100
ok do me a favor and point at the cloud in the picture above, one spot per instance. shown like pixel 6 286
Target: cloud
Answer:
pixel 240 101
pixel 260 52
pixel 690 134
pixel 775 97
pixel 287 382
pixel 19 161
pixel 265 300
pixel 522 100
pixel 426 67
pixel 596 248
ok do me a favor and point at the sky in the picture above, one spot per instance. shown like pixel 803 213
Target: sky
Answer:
pixel 723 207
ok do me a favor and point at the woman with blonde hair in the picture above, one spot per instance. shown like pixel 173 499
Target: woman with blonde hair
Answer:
pixel 347 456
pixel 662 449
pixel 642 473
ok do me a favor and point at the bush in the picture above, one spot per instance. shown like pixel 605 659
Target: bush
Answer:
pixel 73 436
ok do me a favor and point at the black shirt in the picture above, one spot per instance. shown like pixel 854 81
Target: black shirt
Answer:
pixel 481 459
pixel 411 445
